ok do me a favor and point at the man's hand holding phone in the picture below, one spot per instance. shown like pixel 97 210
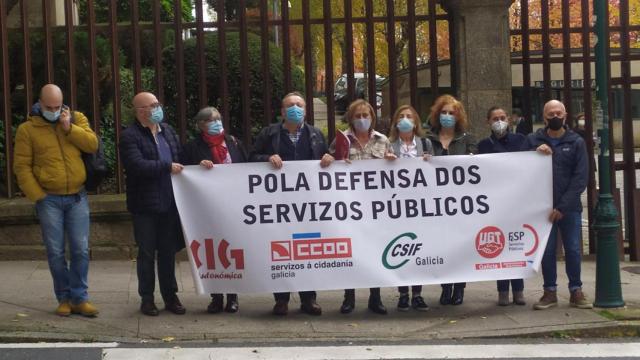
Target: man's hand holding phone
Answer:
pixel 65 118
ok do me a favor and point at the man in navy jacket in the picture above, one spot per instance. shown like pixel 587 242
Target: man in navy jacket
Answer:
pixel 292 139
pixel 149 149
pixel 570 176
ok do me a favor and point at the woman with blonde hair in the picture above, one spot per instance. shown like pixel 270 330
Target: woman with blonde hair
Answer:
pixel 449 136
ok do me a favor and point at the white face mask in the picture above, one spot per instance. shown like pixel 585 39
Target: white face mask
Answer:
pixel 581 122
pixel 499 128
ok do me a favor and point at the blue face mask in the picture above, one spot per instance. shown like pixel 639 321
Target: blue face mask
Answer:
pixel 51 116
pixel 295 114
pixel 215 127
pixel 362 124
pixel 156 115
pixel 405 125
pixel 447 121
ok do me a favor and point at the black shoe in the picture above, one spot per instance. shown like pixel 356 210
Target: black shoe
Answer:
pixel 347 306
pixel 417 302
pixel 175 306
pixel 403 302
pixel 311 307
pixel 232 303
pixel 149 308
pixel 216 304
pixel 458 296
pixel 375 305
pixel 445 297
pixel 281 308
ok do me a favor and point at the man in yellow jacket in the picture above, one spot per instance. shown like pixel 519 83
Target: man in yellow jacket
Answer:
pixel 49 168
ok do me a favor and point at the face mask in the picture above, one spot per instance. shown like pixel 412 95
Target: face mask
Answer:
pixel 295 114
pixel 581 123
pixel 447 120
pixel 215 127
pixel 156 115
pixel 51 116
pixel 405 125
pixel 499 128
pixel 555 123
pixel 362 124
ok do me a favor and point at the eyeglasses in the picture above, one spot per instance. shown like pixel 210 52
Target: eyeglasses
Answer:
pixel 151 107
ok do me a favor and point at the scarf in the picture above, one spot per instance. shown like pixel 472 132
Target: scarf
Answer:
pixel 216 145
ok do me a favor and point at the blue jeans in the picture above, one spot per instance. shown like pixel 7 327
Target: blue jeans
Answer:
pixel 60 215
pixel 516 285
pixel 570 228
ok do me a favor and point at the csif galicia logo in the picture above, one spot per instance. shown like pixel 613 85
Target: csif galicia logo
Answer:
pixel 398 251
pixel 310 246
pixel 225 256
pixel 490 242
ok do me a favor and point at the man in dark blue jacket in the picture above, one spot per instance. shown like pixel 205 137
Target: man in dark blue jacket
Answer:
pixel 149 150
pixel 570 176
pixel 293 139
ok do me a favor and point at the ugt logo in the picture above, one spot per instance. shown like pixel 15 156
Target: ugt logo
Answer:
pixel 310 246
pixel 400 248
pixel 490 242
pixel 237 255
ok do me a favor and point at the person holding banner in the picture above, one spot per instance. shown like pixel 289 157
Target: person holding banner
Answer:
pixel 149 150
pixel 449 136
pixel 214 146
pixel 570 177
pixel 364 143
pixel 407 141
pixel 502 140
pixel 292 139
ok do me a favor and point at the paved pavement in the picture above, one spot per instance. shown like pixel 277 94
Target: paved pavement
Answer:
pixel 27 304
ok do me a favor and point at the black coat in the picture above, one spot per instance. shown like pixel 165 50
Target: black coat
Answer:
pixel 197 150
pixel 145 173
pixel 268 142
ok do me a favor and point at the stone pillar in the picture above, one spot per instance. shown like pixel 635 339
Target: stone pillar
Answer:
pixel 482 57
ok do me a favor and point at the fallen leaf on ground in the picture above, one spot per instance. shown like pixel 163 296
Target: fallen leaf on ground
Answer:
pixel 168 338
pixel 22 315
pixel 453 321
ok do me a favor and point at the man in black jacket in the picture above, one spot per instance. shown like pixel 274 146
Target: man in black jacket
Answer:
pixel 570 176
pixel 293 139
pixel 149 150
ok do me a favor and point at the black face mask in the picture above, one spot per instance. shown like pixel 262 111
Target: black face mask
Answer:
pixel 555 123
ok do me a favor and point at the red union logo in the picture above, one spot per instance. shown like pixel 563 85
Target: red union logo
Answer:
pixel 313 248
pixel 224 256
pixel 490 242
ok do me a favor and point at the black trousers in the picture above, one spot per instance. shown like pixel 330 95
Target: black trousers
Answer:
pixel 156 234
pixel 415 289
pixel 304 296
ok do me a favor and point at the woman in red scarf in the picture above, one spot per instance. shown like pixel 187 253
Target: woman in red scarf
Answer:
pixel 213 146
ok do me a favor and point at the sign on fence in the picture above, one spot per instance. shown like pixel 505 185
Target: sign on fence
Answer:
pixel 249 228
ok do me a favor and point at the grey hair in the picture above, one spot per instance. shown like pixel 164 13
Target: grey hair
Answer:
pixel 207 114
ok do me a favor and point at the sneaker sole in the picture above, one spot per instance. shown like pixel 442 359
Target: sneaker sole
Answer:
pixel 403 309
pixel 421 309
pixel 585 306
pixel 63 314
pixel 545 307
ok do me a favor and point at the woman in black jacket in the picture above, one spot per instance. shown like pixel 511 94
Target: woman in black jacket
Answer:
pixel 211 147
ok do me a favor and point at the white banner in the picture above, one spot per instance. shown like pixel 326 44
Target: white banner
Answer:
pixel 249 228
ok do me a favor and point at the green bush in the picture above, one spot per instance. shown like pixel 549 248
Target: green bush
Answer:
pixel 234 98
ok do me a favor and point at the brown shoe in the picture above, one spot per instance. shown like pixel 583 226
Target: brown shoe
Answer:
pixel 518 298
pixel 503 298
pixel 175 306
pixel 149 308
pixel 578 300
pixel 85 309
pixel 64 308
pixel 311 307
pixel 281 308
pixel 549 299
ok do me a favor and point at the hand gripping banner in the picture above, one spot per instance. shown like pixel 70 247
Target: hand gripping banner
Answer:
pixel 249 228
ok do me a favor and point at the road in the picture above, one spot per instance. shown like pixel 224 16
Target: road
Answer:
pixel 476 349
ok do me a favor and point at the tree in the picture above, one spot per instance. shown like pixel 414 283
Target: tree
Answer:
pixel 231 7
pixel 123 10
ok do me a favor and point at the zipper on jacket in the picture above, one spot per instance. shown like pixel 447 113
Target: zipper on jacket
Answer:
pixel 66 170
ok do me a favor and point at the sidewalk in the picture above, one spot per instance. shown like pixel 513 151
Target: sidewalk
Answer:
pixel 27 304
